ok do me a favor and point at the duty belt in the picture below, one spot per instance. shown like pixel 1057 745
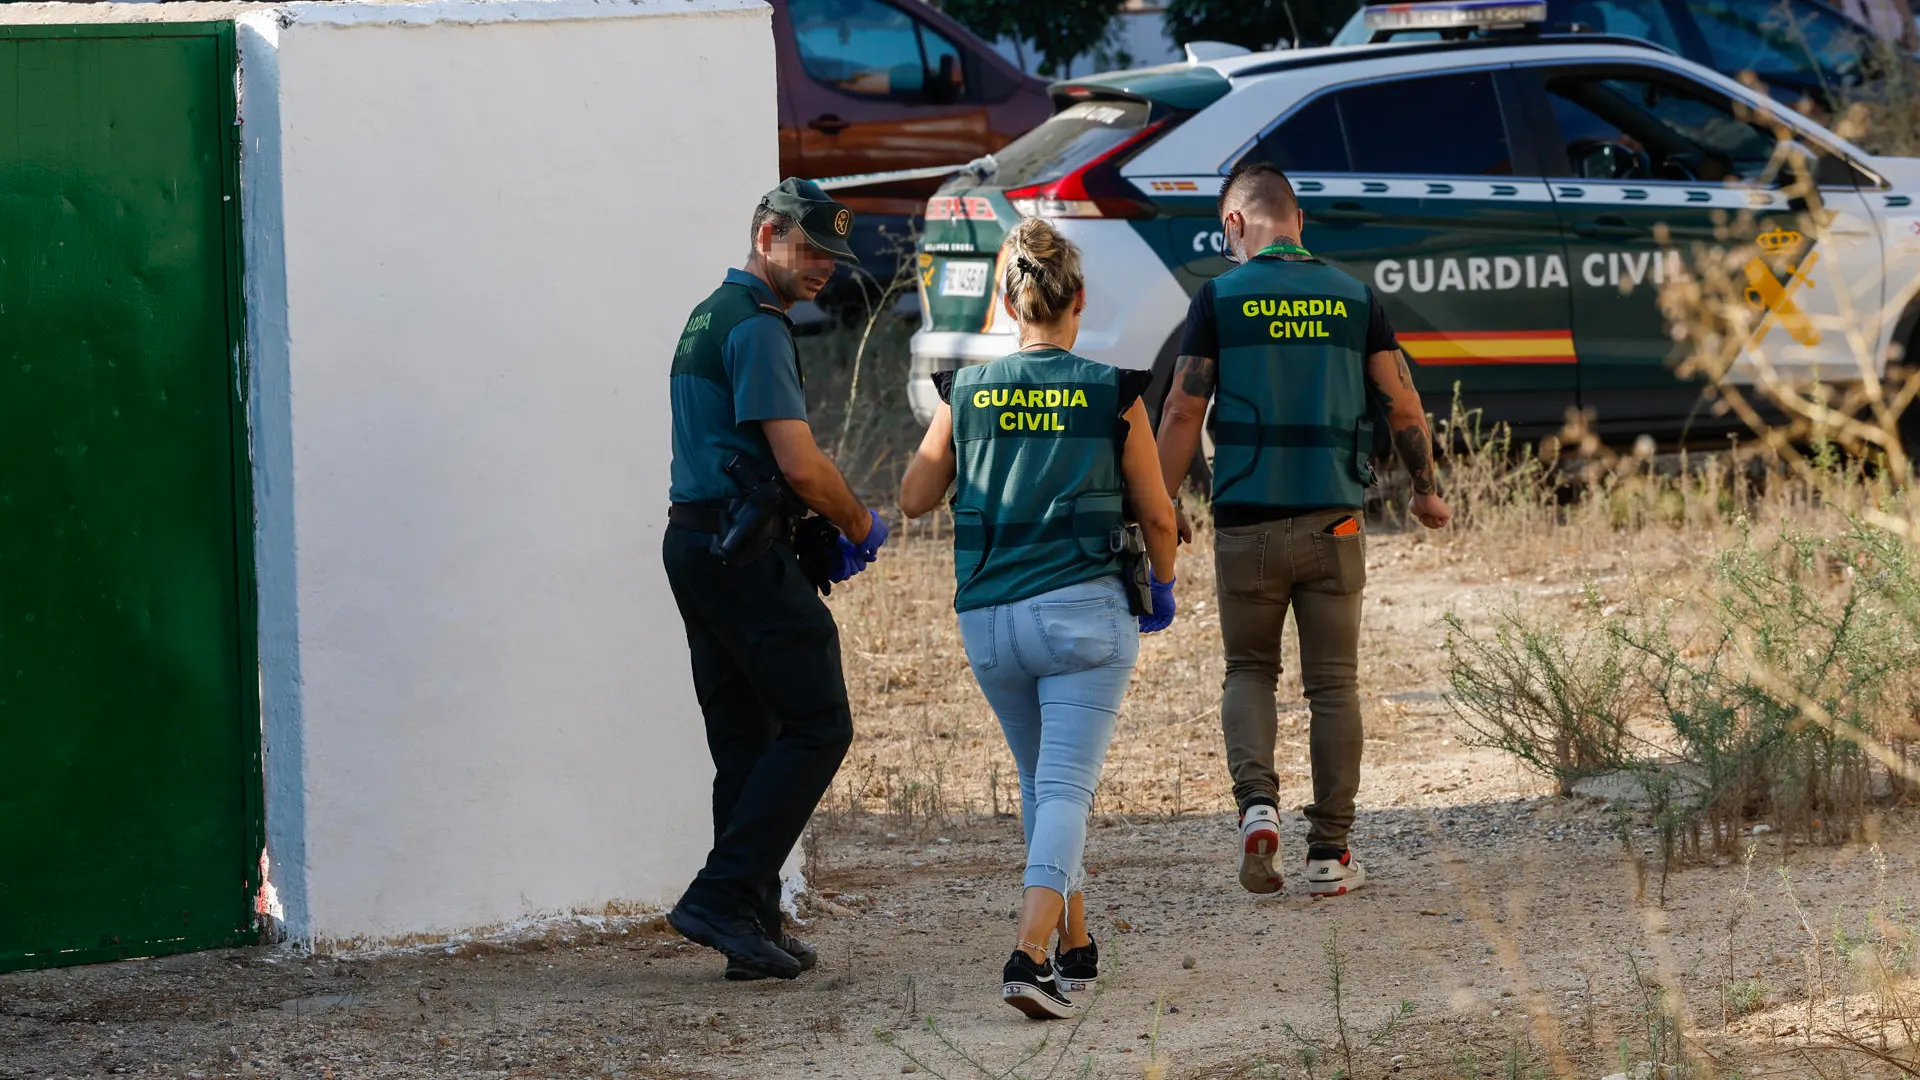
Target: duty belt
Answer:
pixel 707 516
pixel 710 516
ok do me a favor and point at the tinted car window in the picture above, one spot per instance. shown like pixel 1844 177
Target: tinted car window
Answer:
pixel 946 76
pixel 1309 141
pixel 1801 42
pixel 1629 128
pixel 1448 125
pixel 873 49
pixel 1070 139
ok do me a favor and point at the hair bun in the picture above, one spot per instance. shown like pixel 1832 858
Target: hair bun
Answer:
pixel 1042 275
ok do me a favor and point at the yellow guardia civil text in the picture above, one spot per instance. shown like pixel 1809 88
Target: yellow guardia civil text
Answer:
pixel 1296 318
pixel 1030 409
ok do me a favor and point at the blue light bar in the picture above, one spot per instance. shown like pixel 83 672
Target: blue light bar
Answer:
pixel 1455 14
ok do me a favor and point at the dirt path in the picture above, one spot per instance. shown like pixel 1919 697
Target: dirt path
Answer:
pixel 1512 923
pixel 1505 924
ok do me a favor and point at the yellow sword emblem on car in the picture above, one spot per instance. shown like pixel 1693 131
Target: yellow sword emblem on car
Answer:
pixel 1766 292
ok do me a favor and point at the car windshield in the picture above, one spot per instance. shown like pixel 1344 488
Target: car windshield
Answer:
pixel 1801 42
pixel 1073 137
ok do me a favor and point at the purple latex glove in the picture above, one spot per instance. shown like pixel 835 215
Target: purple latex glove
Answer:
pixel 877 534
pixel 1162 617
pixel 851 562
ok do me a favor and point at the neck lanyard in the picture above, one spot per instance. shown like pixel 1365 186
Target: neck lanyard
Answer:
pixel 1284 248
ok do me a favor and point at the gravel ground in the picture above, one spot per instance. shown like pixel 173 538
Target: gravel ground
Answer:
pixel 1525 936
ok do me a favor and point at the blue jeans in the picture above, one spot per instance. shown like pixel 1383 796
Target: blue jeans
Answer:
pixel 1054 667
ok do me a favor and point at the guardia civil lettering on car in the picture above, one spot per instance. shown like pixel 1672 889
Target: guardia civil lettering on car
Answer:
pixel 1515 198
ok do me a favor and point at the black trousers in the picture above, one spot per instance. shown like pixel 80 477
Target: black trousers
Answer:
pixel 766 668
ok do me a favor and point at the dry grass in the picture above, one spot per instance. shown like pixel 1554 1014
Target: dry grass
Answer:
pixel 928 749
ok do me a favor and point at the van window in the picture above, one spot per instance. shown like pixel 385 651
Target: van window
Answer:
pixel 1071 138
pixel 874 49
pixel 1444 125
pixel 1802 43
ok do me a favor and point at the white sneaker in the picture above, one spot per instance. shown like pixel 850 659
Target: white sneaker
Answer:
pixel 1259 841
pixel 1334 877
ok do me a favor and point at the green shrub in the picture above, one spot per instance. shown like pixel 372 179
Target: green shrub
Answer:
pixel 1786 696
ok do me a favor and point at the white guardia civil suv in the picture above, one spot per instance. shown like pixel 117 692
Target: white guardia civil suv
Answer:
pixel 1514 196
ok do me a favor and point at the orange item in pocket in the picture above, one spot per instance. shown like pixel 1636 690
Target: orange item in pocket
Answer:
pixel 1346 526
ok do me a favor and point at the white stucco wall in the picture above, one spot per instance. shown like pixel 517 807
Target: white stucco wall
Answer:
pixel 473 234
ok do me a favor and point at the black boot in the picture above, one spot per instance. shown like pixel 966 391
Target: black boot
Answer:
pixel 740 938
pixel 792 946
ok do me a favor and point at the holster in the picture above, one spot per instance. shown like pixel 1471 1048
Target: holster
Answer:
pixel 751 523
pixel 1129 542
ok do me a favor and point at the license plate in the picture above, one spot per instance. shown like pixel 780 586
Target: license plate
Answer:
pixel 964 278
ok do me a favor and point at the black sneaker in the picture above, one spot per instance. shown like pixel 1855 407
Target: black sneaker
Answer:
pixel 1032 989
pixel 1076 969
pixel 792 946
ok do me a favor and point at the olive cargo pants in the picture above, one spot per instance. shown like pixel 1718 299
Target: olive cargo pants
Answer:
pixel 1261 571
pixel 766 668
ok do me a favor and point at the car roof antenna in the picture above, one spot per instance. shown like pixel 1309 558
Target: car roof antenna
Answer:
pixel 1288 8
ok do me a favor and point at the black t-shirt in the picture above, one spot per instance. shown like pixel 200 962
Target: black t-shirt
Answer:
pixel 1202 338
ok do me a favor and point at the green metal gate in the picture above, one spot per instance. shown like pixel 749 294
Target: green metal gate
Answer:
pixel 130 818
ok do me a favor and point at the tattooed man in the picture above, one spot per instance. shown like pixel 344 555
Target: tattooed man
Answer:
pixel 1296 359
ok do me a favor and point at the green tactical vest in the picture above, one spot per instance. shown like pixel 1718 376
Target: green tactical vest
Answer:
pixel 700 353
pixel 1291 420
pixel 1038 489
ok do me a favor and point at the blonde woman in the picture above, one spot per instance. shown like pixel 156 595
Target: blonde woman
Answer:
pixel 1046 450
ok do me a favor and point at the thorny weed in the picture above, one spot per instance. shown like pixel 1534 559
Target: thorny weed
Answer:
pixel 1343 1047
pixel 1662 1020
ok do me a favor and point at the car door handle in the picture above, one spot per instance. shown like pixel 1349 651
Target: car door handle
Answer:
pixel 1349 212
pixel 1609 226
pixel 829 124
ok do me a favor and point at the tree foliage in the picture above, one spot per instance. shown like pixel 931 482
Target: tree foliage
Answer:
pixel 1059 30
pixel 1257 24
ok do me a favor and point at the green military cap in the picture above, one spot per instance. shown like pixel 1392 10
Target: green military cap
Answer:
pixel 825 222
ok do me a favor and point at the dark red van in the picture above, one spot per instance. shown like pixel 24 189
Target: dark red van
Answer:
pixel 870 86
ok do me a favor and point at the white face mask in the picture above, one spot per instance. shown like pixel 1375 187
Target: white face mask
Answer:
pixel 1237 246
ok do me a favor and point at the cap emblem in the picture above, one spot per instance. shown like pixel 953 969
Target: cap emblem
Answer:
pixel 843 221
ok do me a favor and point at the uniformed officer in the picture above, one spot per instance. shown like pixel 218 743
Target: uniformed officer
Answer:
pixel 1289 349
pixel 1044 450
pixel 766 653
